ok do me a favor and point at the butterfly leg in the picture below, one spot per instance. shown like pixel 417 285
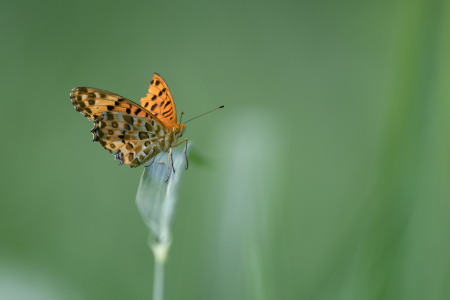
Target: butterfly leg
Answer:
pixel 151 163
pixel 170 166
pixel 171 159
pixel 185 150
pixel 185 154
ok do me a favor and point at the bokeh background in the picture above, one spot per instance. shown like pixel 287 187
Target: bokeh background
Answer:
pixel 325 177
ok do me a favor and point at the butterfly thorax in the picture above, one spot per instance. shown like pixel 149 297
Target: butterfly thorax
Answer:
pixel 170 138
pixel 178 131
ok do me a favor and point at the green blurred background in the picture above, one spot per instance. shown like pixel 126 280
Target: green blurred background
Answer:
pixel 327 174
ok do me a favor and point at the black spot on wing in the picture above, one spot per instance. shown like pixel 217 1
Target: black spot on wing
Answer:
pixel 167 103
pixel 128 119
pixel 168 113
pixel 143 135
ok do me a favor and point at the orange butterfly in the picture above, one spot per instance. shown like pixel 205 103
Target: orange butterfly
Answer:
pixel 134 133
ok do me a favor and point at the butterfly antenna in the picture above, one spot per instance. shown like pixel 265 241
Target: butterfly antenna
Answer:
pixel 222 106
pixel 181 116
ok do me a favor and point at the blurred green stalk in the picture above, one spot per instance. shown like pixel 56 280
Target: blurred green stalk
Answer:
pixel 156 201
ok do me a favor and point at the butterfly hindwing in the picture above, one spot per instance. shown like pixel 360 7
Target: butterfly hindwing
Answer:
pixel 159 101
pixel 93 102
pixel 134 139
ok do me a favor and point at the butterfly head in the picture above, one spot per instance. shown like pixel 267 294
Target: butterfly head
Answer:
pixel 179 129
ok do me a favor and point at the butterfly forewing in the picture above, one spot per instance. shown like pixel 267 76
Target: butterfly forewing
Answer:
pixel 93 102
pixel 159 101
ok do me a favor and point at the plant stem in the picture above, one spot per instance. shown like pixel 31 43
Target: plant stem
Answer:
pixel 158 280
pixel 160 254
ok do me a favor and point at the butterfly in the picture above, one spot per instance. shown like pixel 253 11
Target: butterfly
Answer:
pixel 134 133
